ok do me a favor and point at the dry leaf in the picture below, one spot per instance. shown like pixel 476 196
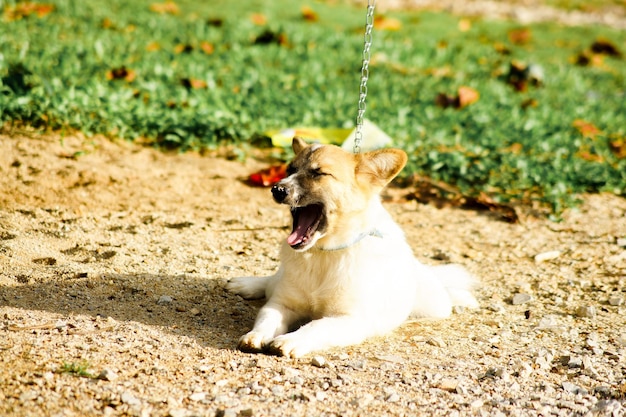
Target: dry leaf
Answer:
pixel 465 25
pixel 467 96
pixel 169 7
pixel 586 128
pixel 309 14
pixel 183 48
pixel 618 147
pixel 193 83
pixel 387 23
pixel 520 36
pixel 258 19
pixel 26 9
pixel 207 47
pixel 121 73
pixel 153 46
pixel 605 47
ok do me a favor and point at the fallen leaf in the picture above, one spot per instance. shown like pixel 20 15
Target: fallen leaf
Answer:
pixel 618 147
pixel 589 59
pixel 193 83
pixel 387 23
pixel 309 14
pixel 586 128
pixel 521 75
pixel 258 19
pixel 269 176
pixel 465 96
pixel 464 25
pixel 183 48
pixel 520 36
pixel 153 46
pixel 268 37
pixel 121 73
pixel 169 7
pixel 605 47
pixel 207 47
pixel 590 156
pixel 26 9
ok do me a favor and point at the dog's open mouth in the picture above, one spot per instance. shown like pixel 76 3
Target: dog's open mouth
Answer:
pixel 306 221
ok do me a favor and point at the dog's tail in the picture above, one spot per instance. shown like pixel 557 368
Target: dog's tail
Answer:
pixel 459 284
pixel 442 287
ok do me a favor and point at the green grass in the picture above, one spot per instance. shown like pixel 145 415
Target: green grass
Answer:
pixel 80 369
pixel 53 73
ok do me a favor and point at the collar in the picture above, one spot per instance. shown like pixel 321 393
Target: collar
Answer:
pixel 373 232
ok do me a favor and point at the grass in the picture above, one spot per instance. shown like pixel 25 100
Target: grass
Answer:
pixel 225 71
pixel 80 369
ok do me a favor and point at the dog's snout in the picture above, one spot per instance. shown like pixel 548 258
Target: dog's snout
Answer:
pixel 280 193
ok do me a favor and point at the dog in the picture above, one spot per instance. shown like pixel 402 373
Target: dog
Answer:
pixel 346 269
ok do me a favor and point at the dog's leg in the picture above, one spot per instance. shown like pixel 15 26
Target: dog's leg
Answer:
pixel 273 320
pixel 250 288
pixel 321 334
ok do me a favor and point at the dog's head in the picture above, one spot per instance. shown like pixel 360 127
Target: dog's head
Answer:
pixel 330 190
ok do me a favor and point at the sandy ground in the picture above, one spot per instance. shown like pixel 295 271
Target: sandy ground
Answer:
pixel 113 259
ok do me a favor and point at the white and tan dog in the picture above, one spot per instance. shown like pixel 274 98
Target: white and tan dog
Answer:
pixel 346 267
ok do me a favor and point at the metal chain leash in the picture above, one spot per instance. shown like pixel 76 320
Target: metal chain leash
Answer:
pixel 367 43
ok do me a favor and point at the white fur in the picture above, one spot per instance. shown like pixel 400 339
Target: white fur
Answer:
pixel 366 289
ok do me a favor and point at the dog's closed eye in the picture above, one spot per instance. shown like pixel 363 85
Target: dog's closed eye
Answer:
pixel 317 172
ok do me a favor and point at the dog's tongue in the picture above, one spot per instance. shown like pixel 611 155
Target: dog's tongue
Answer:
pixel 303 221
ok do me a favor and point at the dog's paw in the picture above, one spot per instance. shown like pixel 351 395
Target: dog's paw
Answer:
pixel 253 342
pixel 289 345
pixel 250 288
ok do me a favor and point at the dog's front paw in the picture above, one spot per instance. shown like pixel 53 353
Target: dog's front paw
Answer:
pixel 250 288
pixel 252 342
pixel 289 345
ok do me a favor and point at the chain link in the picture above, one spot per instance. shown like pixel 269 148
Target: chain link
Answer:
pixel 367 43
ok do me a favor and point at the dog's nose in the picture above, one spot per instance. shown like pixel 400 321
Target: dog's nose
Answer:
pixel 280 193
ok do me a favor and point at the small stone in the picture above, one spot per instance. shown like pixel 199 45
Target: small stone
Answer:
pixel 609 408
pixel 393 398
pixel 320 396
pixel 521 298
pixel 318 361
pixel 573 388
pixel 229 412
pixel 130 399
pixel 436 341
pixel 247 412
pixel 621 242
pixel 449 384
pixel 194 312
pixel 477 403
pixel 165 299
pixel 586 311
pixel 177 412
pixel 615 300
pixel 107 375
pixel 198 396
pixel 547 256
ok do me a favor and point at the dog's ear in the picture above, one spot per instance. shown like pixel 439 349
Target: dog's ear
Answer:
pixel 298 144
pixel 381 166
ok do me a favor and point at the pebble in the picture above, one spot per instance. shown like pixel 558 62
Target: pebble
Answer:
pixel 616 301
pixel 165 299
pixel 436 341
pixel 573 388
pixel 177 412
pixel 521 298
pixel 198 396
pixel 130 399
pixel 107 375
pixel 318 361
pixel 547 256
pixel 586 311
pixel 621 242
pixel 448 384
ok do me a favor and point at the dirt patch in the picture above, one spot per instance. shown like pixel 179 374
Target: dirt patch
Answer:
pixel 112 264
